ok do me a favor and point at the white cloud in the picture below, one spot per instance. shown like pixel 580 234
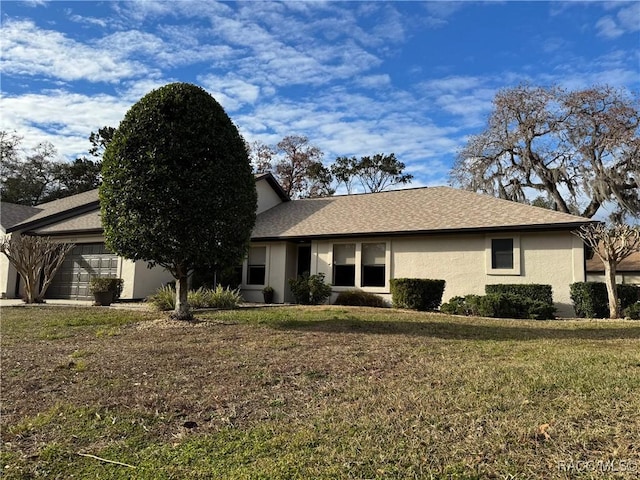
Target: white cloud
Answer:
pixel 230 91
pixel 88 20
pixel 62 118
pixel 29 50
pixel 607 27
pixel 629 17
pixel 627 20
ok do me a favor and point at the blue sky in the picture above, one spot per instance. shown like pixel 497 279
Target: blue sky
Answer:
pixel 356 78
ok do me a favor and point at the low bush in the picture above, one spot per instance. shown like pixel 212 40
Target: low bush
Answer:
pixel 164 298
pixel 310 290
pixel 106 284
pixel 417 293
pixel 632 311
pixel 590 299
pixel 220 297
pixel 455 306
pixel 499 305
pixel 628 295
pixel 359 298
pixel 533 291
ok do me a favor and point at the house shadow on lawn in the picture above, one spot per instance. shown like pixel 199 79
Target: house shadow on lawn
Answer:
pixel 463 329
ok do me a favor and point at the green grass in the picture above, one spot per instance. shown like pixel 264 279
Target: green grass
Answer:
pixel 316 392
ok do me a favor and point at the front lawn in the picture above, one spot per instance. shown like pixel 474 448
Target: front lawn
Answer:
pixel 316 392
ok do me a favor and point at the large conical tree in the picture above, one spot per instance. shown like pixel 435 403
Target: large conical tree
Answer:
pixel 178 188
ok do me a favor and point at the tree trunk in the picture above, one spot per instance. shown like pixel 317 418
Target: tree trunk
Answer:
pixel 182 312
pixel 612 289
pixel 30 294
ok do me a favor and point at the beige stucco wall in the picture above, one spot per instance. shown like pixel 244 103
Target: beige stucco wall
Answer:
pixel 463 261
pixel 267 198
pixel 8 276
pixel 139 280
pixel 548 258
pixel 277 271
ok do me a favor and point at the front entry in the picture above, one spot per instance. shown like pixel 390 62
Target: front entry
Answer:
pixel 304 259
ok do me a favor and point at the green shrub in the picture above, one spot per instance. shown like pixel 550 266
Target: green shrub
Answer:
pixel 590 299
pixel 538 310
pixel 502 305
pixel 417 293
pixel 164 298
pixel 221 297
pixel 106 284
pixel 632 311
pixel 455 306
pixel 628 295
pixel 499 305
pixel 310 290
pixel 359 298
pixel 533 291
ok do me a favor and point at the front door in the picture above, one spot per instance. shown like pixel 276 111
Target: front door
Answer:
pixel 304 260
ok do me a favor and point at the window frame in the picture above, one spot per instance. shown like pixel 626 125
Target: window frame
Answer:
pixel 364 265
pixel 358 266
pixel 247 267
pixel 335 265
pixel 515 270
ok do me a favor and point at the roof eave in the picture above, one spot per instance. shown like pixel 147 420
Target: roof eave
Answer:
pixel 446 231
pixel 56 217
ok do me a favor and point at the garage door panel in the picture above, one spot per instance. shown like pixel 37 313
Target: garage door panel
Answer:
pixel 82 263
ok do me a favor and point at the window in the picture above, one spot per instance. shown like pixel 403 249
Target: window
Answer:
pixel 373 264
pixel 256 265
pixel 344 265
pixel 502 253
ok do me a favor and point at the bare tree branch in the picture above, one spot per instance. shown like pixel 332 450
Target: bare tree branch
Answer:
pixel 612 245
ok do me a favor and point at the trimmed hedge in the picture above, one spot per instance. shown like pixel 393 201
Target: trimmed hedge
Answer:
pixel 632 311
pixel 499 305
pixel 417 293
pixel 628 295
pixel 532 291
pixel 360 298
pixel 590 299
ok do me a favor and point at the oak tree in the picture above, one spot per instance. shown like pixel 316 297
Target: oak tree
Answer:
pixel 296 164
pixel 578 149
pixel 37 175
pixel 374 173
pixel 178 188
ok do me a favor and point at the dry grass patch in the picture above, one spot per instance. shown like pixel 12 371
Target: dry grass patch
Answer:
pixel 317 392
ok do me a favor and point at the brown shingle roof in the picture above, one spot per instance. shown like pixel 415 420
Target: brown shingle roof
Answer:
pixel 629 264
pixel 57 210
pixel 67 203
pixel 424 210
pixel 89 221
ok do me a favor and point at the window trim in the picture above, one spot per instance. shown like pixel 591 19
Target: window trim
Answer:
pixel 354 264
pixel 363 265
pixel 358 266
pixel 245 269
pixel 516 270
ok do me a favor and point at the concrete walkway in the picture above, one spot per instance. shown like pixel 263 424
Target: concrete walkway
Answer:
pixel 15 302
